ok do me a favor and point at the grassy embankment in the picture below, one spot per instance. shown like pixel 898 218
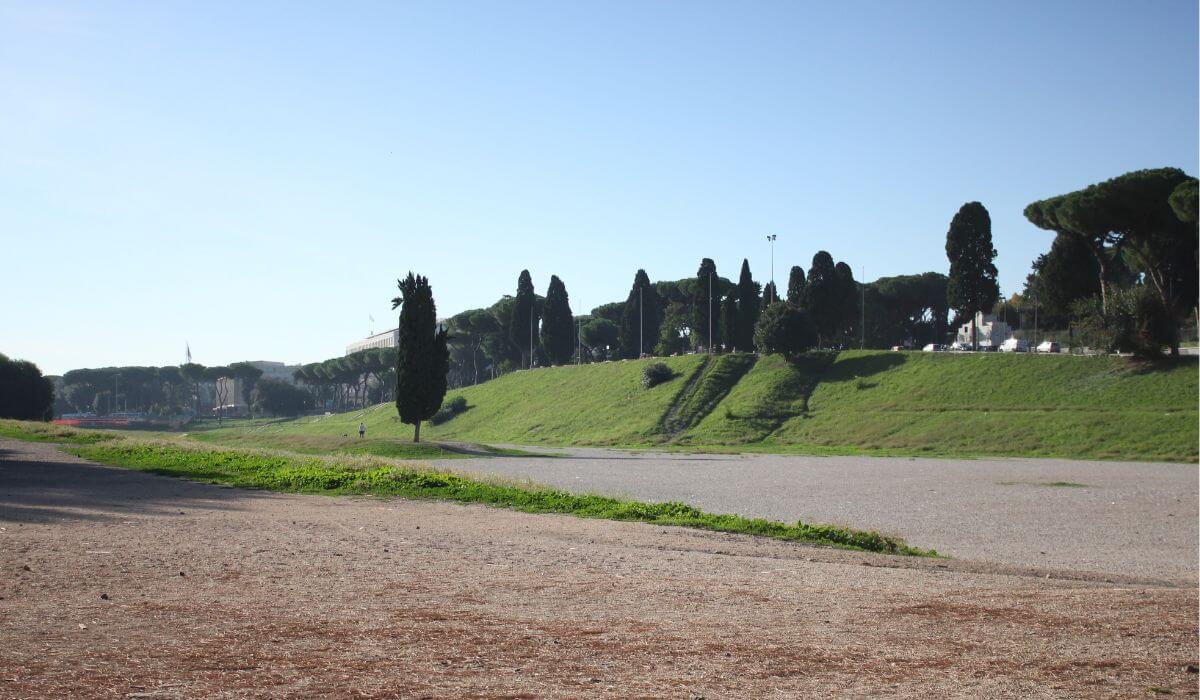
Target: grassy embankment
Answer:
pixel 339 475
pixel 934 404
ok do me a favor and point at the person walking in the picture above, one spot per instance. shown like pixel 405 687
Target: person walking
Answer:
pixel 362 430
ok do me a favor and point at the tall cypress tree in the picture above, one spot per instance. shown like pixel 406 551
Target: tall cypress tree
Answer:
pixel 848 302
pixel 770 295
pixel 972 287
pixel 641 317
pixel 706 303
pixel 820 296
pixel 729 321
pixel 795 292
pixel 523 325
pixel 558 325
pixel 422 358
pixel 749 306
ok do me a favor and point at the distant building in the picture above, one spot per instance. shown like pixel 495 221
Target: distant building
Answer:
pixel 386 339
pixel 990 331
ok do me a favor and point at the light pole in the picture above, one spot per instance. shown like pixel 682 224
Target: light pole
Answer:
pixel 774 293
pixel 862 323
pixel 641 326
pixel 710 348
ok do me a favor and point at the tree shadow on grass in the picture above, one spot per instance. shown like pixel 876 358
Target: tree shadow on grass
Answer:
pixel 863 366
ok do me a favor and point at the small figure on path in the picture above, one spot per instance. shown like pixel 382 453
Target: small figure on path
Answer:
pixel 362 430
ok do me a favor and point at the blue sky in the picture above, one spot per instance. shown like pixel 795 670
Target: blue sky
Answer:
pixel 251 178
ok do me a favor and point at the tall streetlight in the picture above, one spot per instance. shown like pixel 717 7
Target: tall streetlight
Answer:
pixel 774 292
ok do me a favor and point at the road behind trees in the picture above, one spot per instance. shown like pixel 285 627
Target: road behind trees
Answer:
pixel 1121 517
pixel 122 584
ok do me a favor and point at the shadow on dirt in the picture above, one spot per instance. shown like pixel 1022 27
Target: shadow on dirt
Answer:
pixel 36 488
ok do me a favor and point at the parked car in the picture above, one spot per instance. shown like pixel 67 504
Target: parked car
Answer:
pixel 934 347
pixel 1014 345
pixel 1049 346
pixel 959 347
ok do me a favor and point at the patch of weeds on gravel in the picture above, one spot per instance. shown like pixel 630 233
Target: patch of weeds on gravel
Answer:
pixel 49 432
pixel 298 474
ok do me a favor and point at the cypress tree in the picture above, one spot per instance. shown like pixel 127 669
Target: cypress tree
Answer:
pixel 729 321
pixel 770 295
pixel 795 292
pixel 972 287
pixel 748 308
pixel 641 317
pixel 558 325
pixel 820 297
pixel 524 319
pixel 422 358
pixel 847 297
pixel 706 303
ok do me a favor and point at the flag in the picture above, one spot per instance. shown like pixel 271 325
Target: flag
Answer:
pixel 189 353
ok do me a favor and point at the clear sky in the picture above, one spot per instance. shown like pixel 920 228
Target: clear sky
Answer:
pixel 252 177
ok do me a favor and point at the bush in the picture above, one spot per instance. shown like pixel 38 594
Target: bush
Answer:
pixel 1136 321
pixel 450 409
pixel 655 374
pixel 784 329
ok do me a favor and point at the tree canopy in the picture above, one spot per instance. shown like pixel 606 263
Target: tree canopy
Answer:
pixel 972 286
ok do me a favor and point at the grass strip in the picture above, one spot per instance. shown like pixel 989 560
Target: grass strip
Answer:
pixel 331 476
pixel 49 432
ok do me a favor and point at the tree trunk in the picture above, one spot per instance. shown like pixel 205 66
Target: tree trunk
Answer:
pixel 974 334
pixel 417 432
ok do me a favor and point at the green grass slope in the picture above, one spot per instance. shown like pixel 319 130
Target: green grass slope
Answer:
pixel 1028 405
pixel 598 404
pixel 871 402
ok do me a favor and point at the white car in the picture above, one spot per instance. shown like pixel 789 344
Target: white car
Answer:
pixel 1014 345
pixel 933 347
pixel 1049 346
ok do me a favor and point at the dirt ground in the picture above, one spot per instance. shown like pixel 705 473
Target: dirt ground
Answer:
pixel 121 584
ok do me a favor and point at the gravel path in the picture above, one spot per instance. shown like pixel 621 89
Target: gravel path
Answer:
pixel 1138 518
pixel 116 583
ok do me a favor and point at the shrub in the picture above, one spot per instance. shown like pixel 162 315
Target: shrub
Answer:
pixel 450 409
pixel 1136 321
pixel 655 374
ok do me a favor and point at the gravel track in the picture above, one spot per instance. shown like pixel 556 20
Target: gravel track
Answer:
pixel 1136 518
pixel 116 583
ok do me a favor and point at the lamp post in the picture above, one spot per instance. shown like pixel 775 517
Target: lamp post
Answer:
pixel 774 293
pixel 641 325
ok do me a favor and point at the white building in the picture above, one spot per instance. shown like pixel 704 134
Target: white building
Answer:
pixel 386 339
pixel 990 331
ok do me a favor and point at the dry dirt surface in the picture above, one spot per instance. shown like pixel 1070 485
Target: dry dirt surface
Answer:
pixel 121 584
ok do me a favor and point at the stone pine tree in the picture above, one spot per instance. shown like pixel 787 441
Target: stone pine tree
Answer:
pixel 972 287
pixel 558 325
pixel 706 303
pixel 422 358
pixel 821 297
pixel 795 289
pixel 748 308
pixel 641 317
pixel 523 323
